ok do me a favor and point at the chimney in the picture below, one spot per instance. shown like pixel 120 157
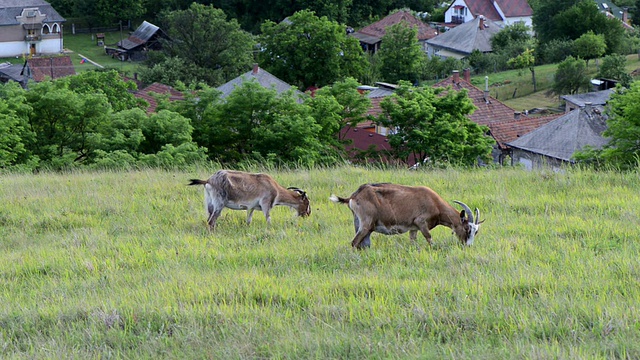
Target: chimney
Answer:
pixel 486 89
pixel 625 15
pixel 456 76
pixel 481 26
pixel 467 75
pixel 516 115
pixel 255 69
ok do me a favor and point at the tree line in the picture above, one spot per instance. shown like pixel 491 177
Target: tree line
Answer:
pixel 93 120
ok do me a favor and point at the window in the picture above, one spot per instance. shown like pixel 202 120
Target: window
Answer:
pixel 31 13
pixel 56 29
pixel 45 29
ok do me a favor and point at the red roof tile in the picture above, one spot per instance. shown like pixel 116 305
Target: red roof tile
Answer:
pixel 50 67
pixel 515 8
pixel 158 89
pixel 486 111
pixel 484 7
pixel 378 29
pixel 507 131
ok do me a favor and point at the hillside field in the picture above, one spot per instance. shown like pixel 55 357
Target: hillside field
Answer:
pixel 119 265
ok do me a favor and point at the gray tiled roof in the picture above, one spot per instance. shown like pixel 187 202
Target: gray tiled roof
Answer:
pixel 562 137
pixel 9 9
pixel 595 98
pixel 13 72
pixel 467 37
pixel 263 77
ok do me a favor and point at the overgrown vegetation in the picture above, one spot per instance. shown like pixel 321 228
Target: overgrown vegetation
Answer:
pixel 120 265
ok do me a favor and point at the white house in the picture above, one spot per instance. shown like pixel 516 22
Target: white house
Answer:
pixel 29 27
pixel 501 12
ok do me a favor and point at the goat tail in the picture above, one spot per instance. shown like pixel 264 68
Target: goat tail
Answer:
pixel 337 199
pixel 197 182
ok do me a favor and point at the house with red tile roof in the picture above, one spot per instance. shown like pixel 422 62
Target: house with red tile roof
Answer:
pixel 48 68
pixel 150 94
pixel 371 35
pixel 502 12
pixel 504 123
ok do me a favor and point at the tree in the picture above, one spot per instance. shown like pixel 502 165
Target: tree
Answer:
pixel 512 40
pixel 350 107
pixel 15 135
pixel 614 67
pixel 525 60
pixel 558 19
pixel 110 83
pixel 623 128
pixel 432 125
pixel 258 122
pixel 201 35
pixel 64 122
pixel 309 51
pixel 108 12
pixel 400 55
pixel 571 76
pixel 589 46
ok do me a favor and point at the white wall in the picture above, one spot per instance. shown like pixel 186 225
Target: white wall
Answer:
pixel 19 48
pixel 450 11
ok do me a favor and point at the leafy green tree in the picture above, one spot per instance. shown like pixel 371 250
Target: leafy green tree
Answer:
pixel 512 40
pixel 350 108
pixel 614 67
pixel 623 128
pixel 170 71
pixel 589 46
pixel 570 19
pixel 255 121
pixel 110 83
pixel 525 60
pixel 554 51
pixel 108 12
pixel 202 36
pixel 432 124
pixel 199 107
pixel 64 122
pixel 571 76
pixel 15 136
pixel 400 55
pixel 309 51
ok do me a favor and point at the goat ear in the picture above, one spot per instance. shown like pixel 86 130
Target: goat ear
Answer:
pixel 462 215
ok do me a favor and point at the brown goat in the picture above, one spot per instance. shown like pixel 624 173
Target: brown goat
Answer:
pixel 239 190
pixel 395 209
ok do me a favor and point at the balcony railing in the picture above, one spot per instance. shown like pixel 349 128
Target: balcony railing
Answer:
pixel 457 19
pixel 32 38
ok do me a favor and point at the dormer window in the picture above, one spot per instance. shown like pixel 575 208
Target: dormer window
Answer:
pixel 31 13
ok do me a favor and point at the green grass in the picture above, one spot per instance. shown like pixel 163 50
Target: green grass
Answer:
pixel 120 265
pixel 85 45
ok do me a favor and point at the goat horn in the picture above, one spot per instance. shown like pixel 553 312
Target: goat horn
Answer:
pixel 466 209
pixel 299 191
pixel 477 216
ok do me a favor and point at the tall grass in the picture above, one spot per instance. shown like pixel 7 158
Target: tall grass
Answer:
pixel 120 265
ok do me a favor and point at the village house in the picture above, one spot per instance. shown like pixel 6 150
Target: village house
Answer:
pixel 263 77
pixel 370 36
pixel 504 123
pixel 461 41
pixel 555 143
pixel 501 12
pixel 29 27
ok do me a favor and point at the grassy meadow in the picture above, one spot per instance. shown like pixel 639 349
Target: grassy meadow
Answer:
pixel 120 265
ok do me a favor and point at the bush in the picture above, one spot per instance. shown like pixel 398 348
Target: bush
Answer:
pixel 554 51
